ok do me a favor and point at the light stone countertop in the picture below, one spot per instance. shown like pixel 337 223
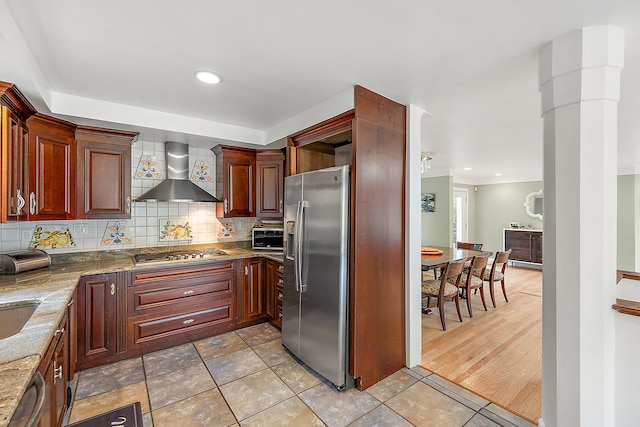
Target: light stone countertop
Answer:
pixel 54 287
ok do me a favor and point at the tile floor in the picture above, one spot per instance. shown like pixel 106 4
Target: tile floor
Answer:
pixel 246 378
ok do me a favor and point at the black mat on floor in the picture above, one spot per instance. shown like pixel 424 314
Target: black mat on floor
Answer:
pixel 127 416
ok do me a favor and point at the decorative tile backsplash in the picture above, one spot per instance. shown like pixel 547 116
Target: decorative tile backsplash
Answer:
pixel 143 229
pixel 117 233
pixel 201 172
pixel 148 168
pixel 51 237
pixel 175 230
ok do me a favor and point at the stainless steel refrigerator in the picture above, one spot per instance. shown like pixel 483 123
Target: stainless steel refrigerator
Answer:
pixel 315 305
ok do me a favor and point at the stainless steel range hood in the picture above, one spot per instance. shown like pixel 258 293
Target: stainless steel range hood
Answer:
pixel 177 187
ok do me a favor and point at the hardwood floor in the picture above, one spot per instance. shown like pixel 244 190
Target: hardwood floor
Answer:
pixel 496 354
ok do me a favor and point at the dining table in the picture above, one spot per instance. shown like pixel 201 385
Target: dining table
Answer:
pixel 431 262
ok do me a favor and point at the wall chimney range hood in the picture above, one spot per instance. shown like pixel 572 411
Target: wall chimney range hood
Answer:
pixel 177 187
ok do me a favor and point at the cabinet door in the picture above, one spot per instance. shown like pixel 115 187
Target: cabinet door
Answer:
pixel 96 325
pixel 269 184
pixel 236 181
pixel 52 163
pixel 253 299
pixel 14 166
pixel 103 173
pixel 537 247
pixel 54 369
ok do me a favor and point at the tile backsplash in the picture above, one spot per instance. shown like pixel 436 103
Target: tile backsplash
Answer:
pixel 189 223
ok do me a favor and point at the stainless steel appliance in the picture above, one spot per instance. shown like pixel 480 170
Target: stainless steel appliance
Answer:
pixel 20 261
pixel 178 255
pixel 315 321
pixel 267 238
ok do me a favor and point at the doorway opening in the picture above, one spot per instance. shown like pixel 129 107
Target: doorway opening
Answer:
pixel 460 215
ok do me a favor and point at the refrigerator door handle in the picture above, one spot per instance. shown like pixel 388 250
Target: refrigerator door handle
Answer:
pixel 296 248
pixel 300 286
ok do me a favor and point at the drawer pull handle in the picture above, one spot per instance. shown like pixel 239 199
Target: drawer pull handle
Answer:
pixel 280 281
pixel 189 292
pixel 57 372
pixel 281 269
pixel 188 321
pixel 280 295
pixel 58 331
pixel 113 289
pixel 279 314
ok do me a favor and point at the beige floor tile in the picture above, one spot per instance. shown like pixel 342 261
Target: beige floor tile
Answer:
pixel 178 385
pixel 109 377
pixel 273 353
pixel 379 417
pixel 338 409
pixel 391 386
pixel 105 402
pixel 236 365
pixel 481 421
pixel 220 345
pixel 290 413
pixel 206 409
pixel 258 334
pixel 422 405
pixel 169 360
pixel 298 377
pixel 254 393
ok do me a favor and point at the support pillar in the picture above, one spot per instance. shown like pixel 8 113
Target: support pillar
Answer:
pixel 580 85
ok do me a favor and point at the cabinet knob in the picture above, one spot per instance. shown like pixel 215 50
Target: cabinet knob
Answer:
pixel 246 270
pixel 226 206
pixel 281 205
pixel 113 289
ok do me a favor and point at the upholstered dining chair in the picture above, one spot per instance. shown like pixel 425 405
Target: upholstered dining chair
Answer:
pixel 442 288
pixel 496 274
pixel 473 279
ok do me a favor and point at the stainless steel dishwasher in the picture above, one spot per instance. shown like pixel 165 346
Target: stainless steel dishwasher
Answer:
pixel 29 409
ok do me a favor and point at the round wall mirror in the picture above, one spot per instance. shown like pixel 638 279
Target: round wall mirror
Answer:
pixel 533 204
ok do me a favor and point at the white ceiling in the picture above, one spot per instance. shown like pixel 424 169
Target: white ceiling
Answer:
pixel 471 64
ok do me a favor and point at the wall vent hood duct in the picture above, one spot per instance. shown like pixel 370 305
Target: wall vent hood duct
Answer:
pixel 177 187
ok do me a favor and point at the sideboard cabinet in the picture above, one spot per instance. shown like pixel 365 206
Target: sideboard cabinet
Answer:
pixel 525 245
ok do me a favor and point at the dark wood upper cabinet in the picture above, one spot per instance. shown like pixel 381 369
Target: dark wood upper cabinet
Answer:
pixel 103 173
pixel 51 170
pixel 270 183
pixel 14 137
pixel 235 181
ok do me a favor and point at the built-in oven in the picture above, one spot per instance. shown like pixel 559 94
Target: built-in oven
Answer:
pixel 267 238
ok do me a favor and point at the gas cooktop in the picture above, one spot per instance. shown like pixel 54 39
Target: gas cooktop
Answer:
pixel 191 255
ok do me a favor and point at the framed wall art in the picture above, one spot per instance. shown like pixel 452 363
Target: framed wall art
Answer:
pixel 428 201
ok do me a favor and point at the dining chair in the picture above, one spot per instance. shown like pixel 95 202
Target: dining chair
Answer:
pixel 474 279
pixel 442 288
pixel 496 274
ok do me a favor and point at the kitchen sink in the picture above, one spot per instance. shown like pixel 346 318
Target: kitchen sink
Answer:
pixel 14 315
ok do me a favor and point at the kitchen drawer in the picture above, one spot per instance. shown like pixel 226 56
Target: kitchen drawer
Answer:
pixel 163 296
pixel 278 317
pixel 183 275
pixel 145 330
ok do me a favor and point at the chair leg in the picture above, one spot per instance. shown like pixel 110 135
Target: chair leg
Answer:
pixel 441 311
pixel 469 309
pixel 428 302
pixel 504 291
pixel 484 304
pixel 493 294
pixel 458 307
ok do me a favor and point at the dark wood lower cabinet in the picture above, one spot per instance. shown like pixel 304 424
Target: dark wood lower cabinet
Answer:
pixel 54 369
pixel 525 245
pixel 253 298
pixel 97 319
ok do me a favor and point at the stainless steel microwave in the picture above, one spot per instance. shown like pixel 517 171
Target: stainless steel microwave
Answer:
pixel 267 238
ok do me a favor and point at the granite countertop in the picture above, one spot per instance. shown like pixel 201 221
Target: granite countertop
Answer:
pixel 53 288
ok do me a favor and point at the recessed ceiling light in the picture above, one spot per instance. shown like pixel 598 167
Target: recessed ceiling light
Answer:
pixel 498 174
pixel 208 77
pixel 467 169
